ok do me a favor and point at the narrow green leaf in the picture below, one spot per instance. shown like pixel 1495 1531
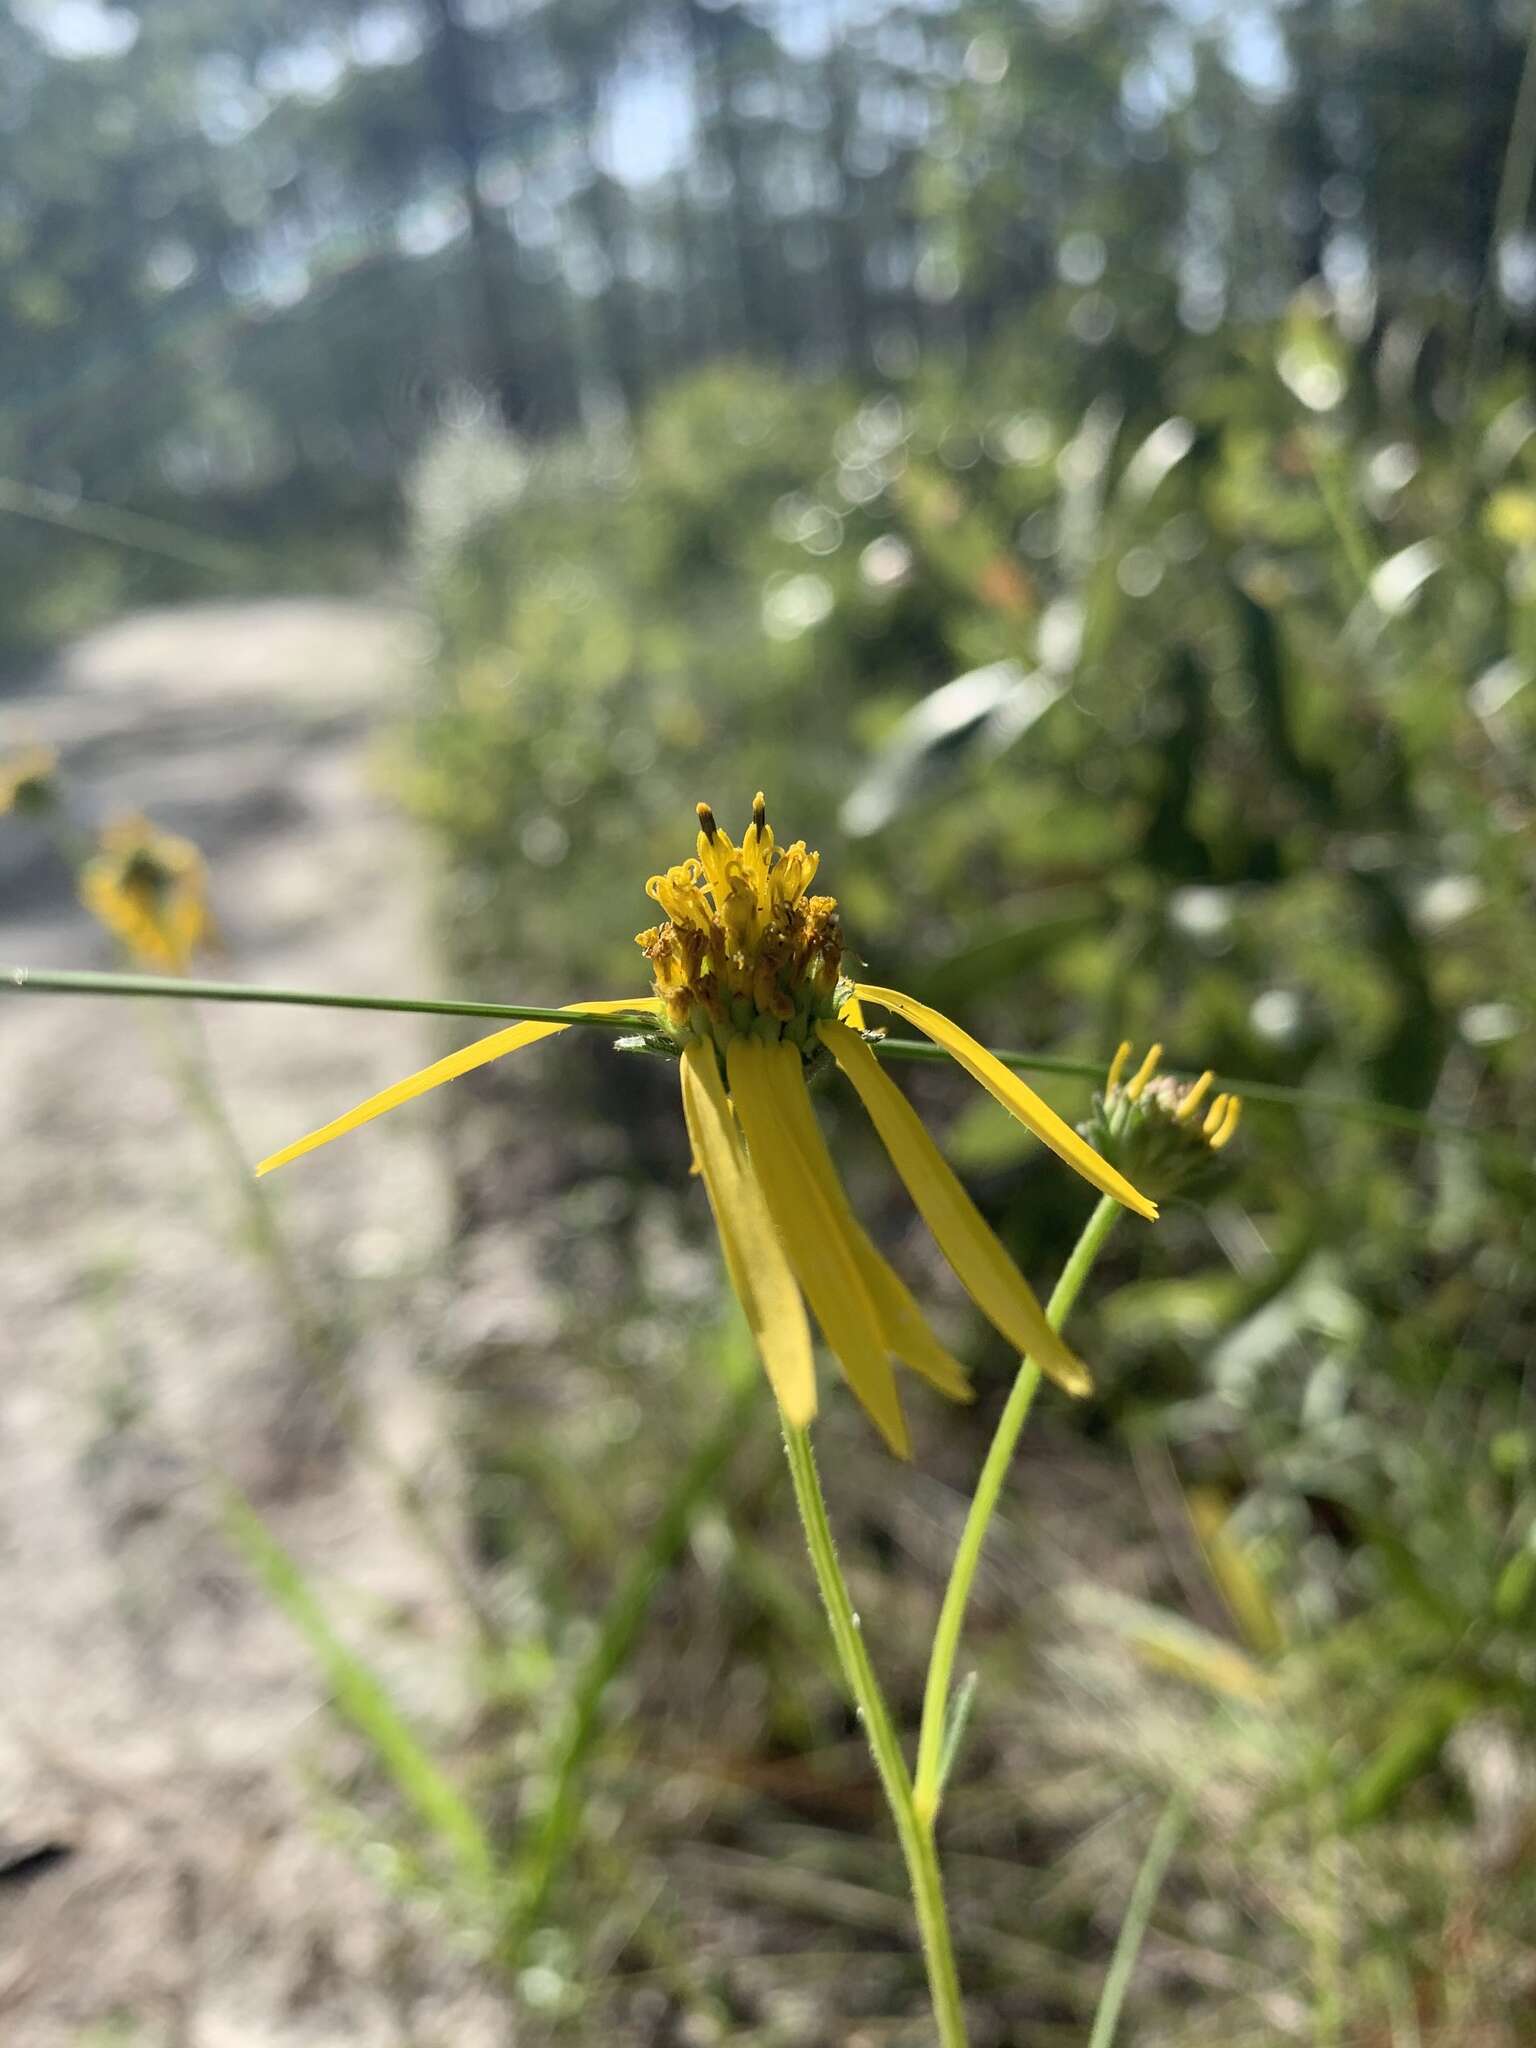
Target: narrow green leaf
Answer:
pixel 362 1699
pixel 957 1716
pixel 581 1725
pixel 1415 1736
pixel 1133 1928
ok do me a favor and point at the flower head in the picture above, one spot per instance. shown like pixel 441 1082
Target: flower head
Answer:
pixel 27 780
pixel 748 991
pixel 1166 1132
pixel 744 938
pixel 150 889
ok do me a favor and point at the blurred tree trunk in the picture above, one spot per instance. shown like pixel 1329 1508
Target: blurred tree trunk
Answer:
pixel 1309 150
pixel 720 41
pixel 848 223
pixel 450 71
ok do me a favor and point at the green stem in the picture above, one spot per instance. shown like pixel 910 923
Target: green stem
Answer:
pixel 188 1057
pixel 134 530
pixel 51 981
pixel 917 1844
pixel 1133 1928
pixel 928 1785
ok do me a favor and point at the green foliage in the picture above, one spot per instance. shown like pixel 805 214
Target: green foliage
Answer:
pixel 1202 715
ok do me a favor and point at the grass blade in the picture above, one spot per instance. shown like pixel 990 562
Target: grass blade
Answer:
pixel 362 1699
pixel 957 1716
pixel 621 1625
pixel 1133 1928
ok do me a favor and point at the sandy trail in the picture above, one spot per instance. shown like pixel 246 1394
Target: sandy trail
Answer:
pixel 155 1713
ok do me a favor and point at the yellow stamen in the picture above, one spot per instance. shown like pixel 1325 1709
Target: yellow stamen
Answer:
pixel 1022 1102
pixel 1222 1135
pixel 1117 1066
pixel 1194 1098
pixel 1143 1074
pixel 741 926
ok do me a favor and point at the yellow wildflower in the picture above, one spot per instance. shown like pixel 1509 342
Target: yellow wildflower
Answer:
pixel 27 778
pixel 749 991
pixel 150 889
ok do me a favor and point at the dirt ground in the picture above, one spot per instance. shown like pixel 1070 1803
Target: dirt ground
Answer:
pixel 163 1878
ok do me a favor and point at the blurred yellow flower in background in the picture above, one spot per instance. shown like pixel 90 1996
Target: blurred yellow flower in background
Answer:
pixel 150 889
pixel 749 991
pixel 27 779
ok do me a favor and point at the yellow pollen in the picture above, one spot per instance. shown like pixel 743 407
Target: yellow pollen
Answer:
pixel 1213 1119
pixel 1194 1098
pixel 1143 1074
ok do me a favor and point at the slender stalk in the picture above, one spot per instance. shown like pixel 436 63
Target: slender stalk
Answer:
pixel 187 1054
pixel 1326 1917
pixel 1133 1928
pixel 928 1784
pixel 134 530
pixel 52 981
pixel 917 1844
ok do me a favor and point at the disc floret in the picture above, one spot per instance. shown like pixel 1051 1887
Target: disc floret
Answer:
pixel 746 948
pixel 1165 1132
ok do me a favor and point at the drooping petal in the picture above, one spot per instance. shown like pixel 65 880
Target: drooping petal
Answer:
pixel 984 1268
pixel 1010 1091
pixel 754 1258
pixel 903 1323
pixel 463 1062
pixel 907 1330
pixel 811 1231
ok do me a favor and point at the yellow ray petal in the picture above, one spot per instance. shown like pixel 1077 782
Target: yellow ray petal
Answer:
pixel 905 1327
pixel 907 1330
pixel 984 1268
pixel 811 1231
pixel 449 1069
pixel 754 1258
pixel 1022 1102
